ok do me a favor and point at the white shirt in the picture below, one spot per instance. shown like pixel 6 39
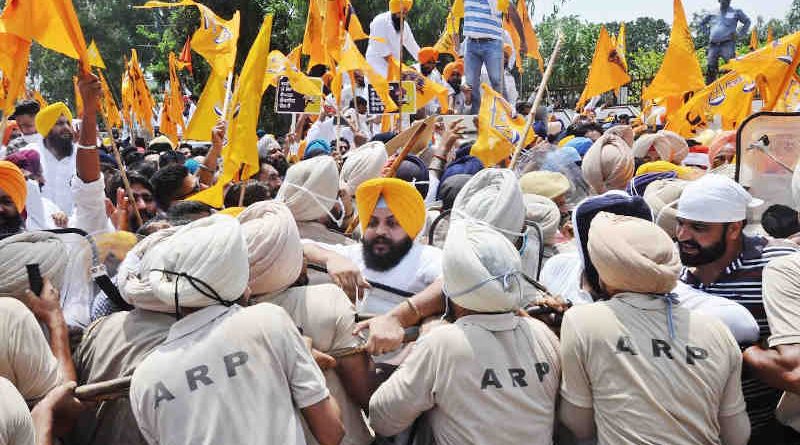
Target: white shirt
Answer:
pixel 509 83
pixel 57 175
pixel 382 28
pixel 227 375
pixel 347 96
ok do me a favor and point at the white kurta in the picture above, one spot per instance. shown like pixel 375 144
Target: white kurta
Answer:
pixel 382 28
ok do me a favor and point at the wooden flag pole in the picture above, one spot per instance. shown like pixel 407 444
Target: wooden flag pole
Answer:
pixel 226 103
pixel 122 171
pixel 539 95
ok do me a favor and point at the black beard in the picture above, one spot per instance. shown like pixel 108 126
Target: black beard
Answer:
pixel 390 259
pixel 396 22
pixel 61 146
pixel 456 86
pixel 11 226
pixel 425 72
pixel 281 164
pixel 704 255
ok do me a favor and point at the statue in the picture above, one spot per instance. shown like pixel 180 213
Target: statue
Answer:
pixel 721 32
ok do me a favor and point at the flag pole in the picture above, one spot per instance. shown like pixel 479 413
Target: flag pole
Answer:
pixel 228 86
pixel 539 95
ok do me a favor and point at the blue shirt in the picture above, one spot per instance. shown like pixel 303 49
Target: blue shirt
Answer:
pixel 481 22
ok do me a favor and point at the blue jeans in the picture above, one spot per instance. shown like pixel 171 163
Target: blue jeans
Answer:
pixel 726 50
pixel 476 54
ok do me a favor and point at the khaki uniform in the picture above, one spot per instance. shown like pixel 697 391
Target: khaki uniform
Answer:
pixel 646 388
pixel 325 314
pixel 227 375
pixel 486 379
pixel 16 424
pixel 112 347
pixel 25 356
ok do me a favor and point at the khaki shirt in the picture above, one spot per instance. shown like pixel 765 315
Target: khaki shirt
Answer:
pixel 646 388
pixel 16 423
pixel 487 379
pixel 227 376
pixel 326 315
pixel 112 347
pixel 25 356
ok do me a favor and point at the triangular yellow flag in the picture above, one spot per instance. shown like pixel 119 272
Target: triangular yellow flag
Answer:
pixel 730 97
pixel 136 98
pixel 529 33
pixel 771 66
pixel 680 72
pixel 108 107
pixel 352 59
pixel 314 42
pixel 240 155
pixel 607 71
pixel 51 23
pixel 14 58
pixel 95 59
pixel 279 65
pixel 498 131
pixel 209 108
pixel 427 90
pixel 447 41
pixel 171 118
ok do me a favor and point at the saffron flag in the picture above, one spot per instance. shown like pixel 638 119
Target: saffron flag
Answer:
pixel 314 43
pixel 14 56
pixel 448 41
pixel 772 67
pixel 108 107
pixel 789 101
pixel 498 131
pixel 279 65
pixel 351 59
pixel 607 71
pixel 621 44
pixel 730 97
pixel 427 90
pixel 37 96
pixel 240 155
pixel 51 23
pixel 754 39
pixel 137 102
pixel 529 33
pixel 340 18
pixel 680 71
pixel 185 60
pixel 209 108
pixel 95 59
pixel 78 98
pixel 172 107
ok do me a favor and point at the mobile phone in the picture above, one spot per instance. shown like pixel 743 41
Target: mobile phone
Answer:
pixel 35 278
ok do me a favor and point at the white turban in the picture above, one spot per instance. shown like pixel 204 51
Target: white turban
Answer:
pixel 608 165
pixel 361 164
pixel 211 252
pixel 662 198
pixel 266 144
pixel 545 214
pixel 42 248
pixel 715 199
pixel 633 255
pixel 481 269
pixel 623 131
pixel 133 275
pixel 273 245
pixel 493 196
pixel 310 188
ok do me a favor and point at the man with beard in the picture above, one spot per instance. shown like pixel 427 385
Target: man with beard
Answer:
pixel 13 193
pixel 384 32
pixel 428 58
pixel 142 193
pixel 459 101
pixel 270 176
pixel 350 92
pixel 57 154
pixel 719 259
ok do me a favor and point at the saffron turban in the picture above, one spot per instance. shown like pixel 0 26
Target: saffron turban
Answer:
pixel 47 117
pixel 403 200
pixel 42 248
pixel 428 55
pixel 453 67
pixel 310 188
pixel 12 182
pixel 633 255
pixel 273 245
pixel 664 166
pixel 608 165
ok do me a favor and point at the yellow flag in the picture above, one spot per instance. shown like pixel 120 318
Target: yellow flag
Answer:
pixel 529 33
pixel 37 96
pixel 95 59
pixel 447 41
pixel 279 65
pixel 498 132
pixel 680 72
pixel 770 39
pixel 172 108
pixel 427 90
pixel 314 43
pixel 209 109
pixel 607 71
pixel 620 43
pixel 78 98
pixel 14 56
pixel 771 66
pixel 340 18
pixel 295 55
pixel 108 107
pixel 51 23
pixel 753 39
pixel 240 155
pixel 137 102
pixel 351 59
pixel 789 101
pixel 730 97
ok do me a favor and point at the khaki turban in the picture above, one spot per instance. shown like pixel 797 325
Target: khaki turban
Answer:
pixel 211 250
pixel 545 214
pixel 42 248
pixel 670 146
pixel 662 197
pixel 403 200
pixel 363 163
pixel 544 183
pixel 608 165
pixel 12 182
pixel 273 245
pixel 47 118
pixel 633 255
pixel 310 188
pixel 623 131
pixel 481 269
pixel 678 147
pixel 133 275
pixel 494 197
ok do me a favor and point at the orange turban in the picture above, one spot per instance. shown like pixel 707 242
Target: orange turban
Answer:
pixel 428 55
pixel 10 127
pixel 401 197
pixel 12 182
pixel 457 66
pixel 396 5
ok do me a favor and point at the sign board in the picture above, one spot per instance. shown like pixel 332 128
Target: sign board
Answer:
pixel 289 101
pixel 407 100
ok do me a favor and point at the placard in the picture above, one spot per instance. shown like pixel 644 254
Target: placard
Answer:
pixel 289 101
pixel 408 104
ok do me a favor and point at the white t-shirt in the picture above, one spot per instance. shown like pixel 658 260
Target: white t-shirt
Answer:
pixel 227 375
pixel 382 28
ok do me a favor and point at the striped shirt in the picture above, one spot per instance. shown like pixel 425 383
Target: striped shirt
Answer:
pixel 741 282
pixel 481 22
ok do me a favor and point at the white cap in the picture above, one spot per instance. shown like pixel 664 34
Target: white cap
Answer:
pixel 715 199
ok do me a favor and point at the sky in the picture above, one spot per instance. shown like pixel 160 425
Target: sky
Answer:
pixel 599 11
